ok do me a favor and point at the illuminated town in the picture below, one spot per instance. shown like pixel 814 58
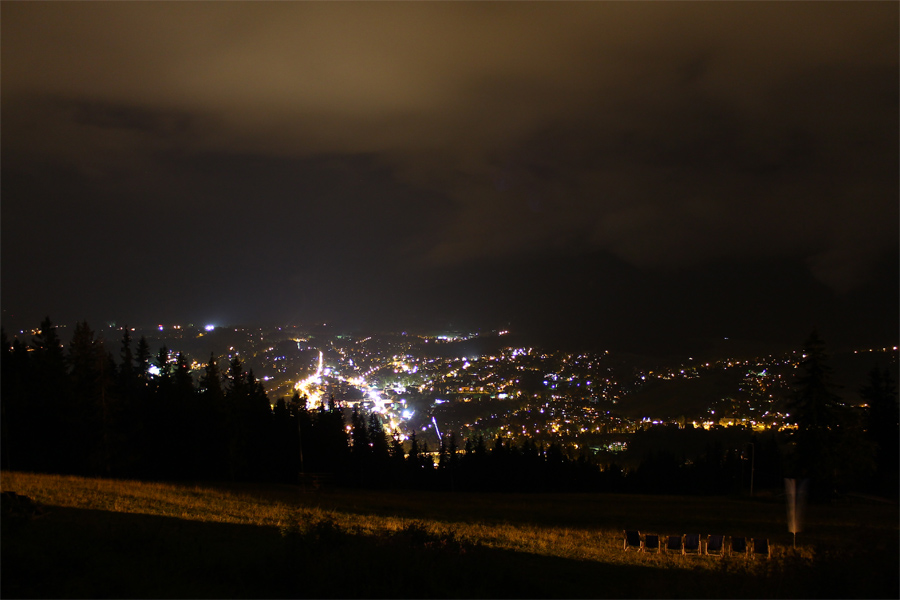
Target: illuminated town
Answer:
pixel 471 384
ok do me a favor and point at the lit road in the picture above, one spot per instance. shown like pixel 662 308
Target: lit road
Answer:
pixel 310 387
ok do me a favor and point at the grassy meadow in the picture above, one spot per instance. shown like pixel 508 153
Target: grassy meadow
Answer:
pixel 104 538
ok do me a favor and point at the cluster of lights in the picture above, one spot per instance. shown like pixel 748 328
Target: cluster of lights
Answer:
pixel 479 378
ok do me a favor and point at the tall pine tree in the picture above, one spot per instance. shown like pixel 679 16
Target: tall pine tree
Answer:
pixel 883 428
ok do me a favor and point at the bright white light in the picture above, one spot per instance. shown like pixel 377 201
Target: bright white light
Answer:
pixel 153 370
pixel 408 413
pixel 304 388
pixel 209 327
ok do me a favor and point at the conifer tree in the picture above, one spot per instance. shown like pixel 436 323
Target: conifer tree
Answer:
pixel 304 428
pixel 235 394
pixel 336 441
pixel 379 441
pixel 211 381
pixel 882 426
pixel 126 367
pixel 49 407
pixel 181 447
pixel 360 449
pixel 181 377
pixel 426 466
pixel 259 425
pixel 413 460
pixel 47 344
pixel 443 456
pixel 163 378
pixel 823 443
pixel 131 410
pixel 359 437
pixel 25 427
pixel 284 457
pixel 213 435
pixel 142 360
pixel 91 372
pixel 814 402
pixel 453 455
pixel 399 472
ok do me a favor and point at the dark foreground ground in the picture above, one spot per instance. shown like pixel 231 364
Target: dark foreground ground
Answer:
pixel 81 553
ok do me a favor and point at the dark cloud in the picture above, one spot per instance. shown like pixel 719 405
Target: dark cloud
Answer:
pixel 432 139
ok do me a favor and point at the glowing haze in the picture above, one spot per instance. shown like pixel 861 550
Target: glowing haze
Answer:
pixel 467 163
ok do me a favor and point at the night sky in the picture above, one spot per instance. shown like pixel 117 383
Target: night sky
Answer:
pixel 631 173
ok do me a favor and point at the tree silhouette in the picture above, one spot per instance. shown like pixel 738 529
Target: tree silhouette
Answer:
pixel 235 395
pixel 29 425
pixel 186 418
pixel 882 426
pixel 414 461
pixel 285 443
pixel 142 360
pixel 212 435
pixel 50 407
pixel 380 457
pixel 826 448
pixel 334 439
pixel 249 418
pixel 305 432
pixel 126 367
pixel 360 451
pixel 398 470
pixel 95 407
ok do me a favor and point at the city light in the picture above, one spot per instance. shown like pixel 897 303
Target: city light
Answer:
pixel 521 393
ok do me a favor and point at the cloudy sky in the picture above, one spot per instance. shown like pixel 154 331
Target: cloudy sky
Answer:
pixel 625 172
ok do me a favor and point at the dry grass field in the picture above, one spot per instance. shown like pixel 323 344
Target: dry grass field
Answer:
pixel 107 538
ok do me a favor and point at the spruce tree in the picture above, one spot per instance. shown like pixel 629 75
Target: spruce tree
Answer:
pixel 453 454
pixel 284 458
pixel 414 461
pixel 398 469
pixel 211 381
pixel 181 447
pixel 359 438
pixel 49 407
pixel 379 441
pixel 163 378
pixel 818 449
pixel 91 372
pixel 213 434
pixel 126 367
pixel 26 424
pixel 181 377
pixel 235 394
pixel 142 360
pixel 304 428
pixel 882 426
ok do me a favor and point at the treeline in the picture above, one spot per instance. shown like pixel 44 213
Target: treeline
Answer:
pixel 132 414
pixel 83 410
